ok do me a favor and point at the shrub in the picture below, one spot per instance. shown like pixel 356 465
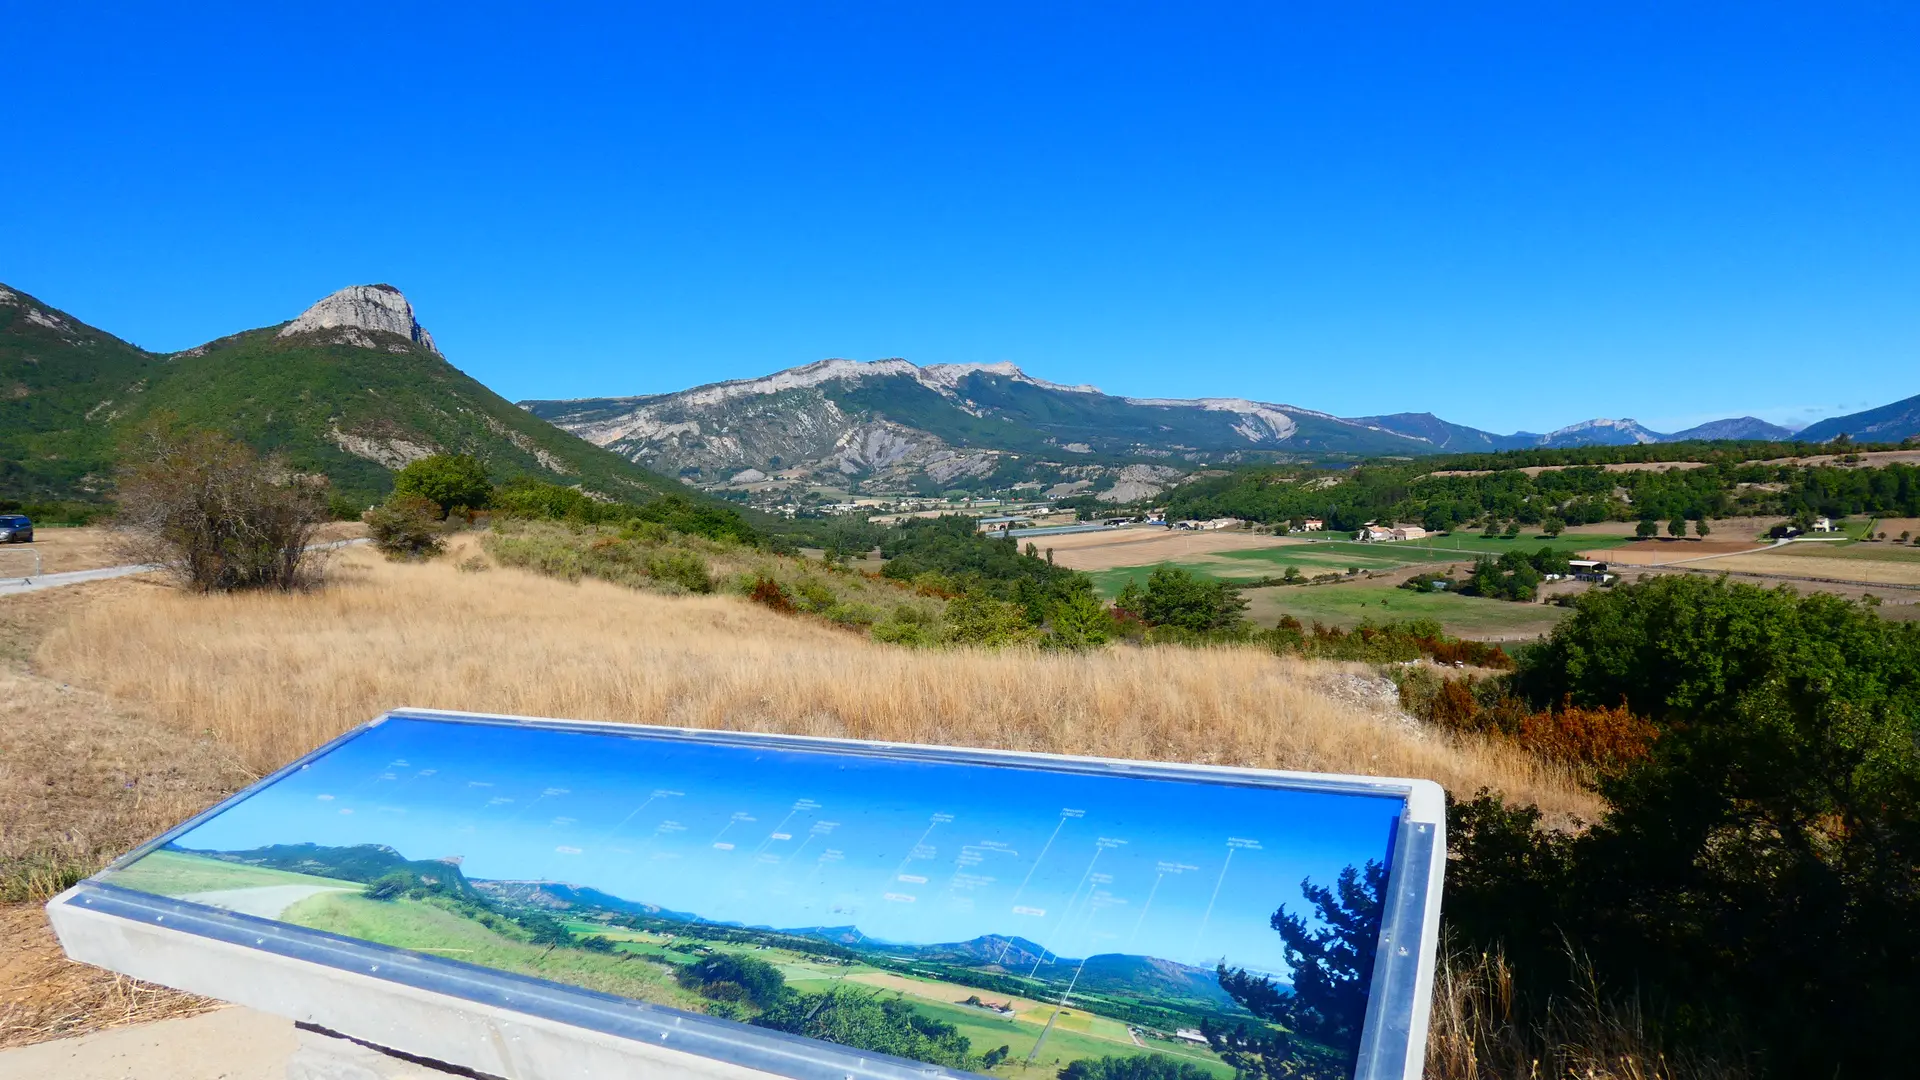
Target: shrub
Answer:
pixel 682 569
pixel 727 977
pixel 406 527
pixel 1754 873
pixel 216 514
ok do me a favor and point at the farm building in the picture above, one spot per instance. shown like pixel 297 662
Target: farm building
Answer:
pixel 1002 524
pixel 1313 525
pixel 1823 525
pixel 1588 570
pixel 1408 532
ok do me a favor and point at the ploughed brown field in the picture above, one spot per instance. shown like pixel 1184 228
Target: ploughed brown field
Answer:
pixel 1149 545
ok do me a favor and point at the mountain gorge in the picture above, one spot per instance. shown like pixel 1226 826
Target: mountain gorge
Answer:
pixel 352 388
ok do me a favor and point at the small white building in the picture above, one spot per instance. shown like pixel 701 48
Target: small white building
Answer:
pixel 1373 534
pixel 1409 532
pixel 1191 1035
pixel 1823 525
pixel 1313 525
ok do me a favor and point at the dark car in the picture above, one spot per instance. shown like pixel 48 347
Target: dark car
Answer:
pixel 15 529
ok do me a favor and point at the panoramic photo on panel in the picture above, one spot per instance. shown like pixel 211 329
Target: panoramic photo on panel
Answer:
pixel 997 918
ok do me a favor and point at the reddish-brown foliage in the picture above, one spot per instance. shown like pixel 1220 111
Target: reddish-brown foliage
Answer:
pixel 769 593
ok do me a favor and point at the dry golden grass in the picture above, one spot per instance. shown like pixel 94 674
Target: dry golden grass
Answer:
pixel 82 779
pixel 272 675
pixel 1478 1033
pixel 1805 563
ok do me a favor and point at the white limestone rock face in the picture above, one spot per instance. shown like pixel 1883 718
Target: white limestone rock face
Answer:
pixel 358 308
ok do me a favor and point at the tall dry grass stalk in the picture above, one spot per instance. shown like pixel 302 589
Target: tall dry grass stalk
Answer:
pixel 1479 1032
pixel 273 675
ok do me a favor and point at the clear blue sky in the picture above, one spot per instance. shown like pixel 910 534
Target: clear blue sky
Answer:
pixel 907 851
pixel 1360 208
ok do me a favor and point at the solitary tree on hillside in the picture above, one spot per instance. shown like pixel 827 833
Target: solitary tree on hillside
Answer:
pixel 1553 526
pixel 450 481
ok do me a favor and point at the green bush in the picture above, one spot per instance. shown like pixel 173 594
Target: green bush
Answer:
pixel 406 527
pixel 681 569
pixel 1756 877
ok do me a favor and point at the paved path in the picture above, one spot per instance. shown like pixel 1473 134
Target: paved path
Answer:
pixel 226 1044
pixel 11 586
pixel 265 901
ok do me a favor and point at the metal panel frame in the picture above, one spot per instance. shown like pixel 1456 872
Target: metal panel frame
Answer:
pixel 1392 1043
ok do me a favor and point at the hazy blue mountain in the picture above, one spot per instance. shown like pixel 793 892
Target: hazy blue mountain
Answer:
pixel 1888 423
pixel 1744 427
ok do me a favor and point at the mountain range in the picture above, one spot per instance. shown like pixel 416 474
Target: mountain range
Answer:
pixel 353 388
pixel 1120 973
pixel 891 426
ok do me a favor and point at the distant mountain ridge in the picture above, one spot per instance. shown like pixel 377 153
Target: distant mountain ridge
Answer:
pixel 1888 423
pixel 894 427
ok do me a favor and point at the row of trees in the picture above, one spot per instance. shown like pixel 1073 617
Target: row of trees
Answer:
pixel 1570 496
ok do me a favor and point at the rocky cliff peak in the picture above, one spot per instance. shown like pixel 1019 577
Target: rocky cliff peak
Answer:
pixel 358 308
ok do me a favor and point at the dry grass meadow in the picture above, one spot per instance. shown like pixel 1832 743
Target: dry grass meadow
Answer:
pixel 151 703
pixel 270 676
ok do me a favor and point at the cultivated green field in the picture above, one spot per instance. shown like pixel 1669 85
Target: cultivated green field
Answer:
pixel 1348 604
pixel 1315 557
pixel 177 873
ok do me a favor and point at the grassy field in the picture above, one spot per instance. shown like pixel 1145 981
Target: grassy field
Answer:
pixel 1347 604
pixel 423 928
pixel 176 873
pixel 269 676
pixel 1317 557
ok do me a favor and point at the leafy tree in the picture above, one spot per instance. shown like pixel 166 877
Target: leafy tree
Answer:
pixel 1553 526
pixel 449 481
pixel 1177 598
pixel 1701 529
pixel 978 619
pixel 1677 527
pixel 1331 959
pixel 864 1019
pixel 1646 529
pixel 753 978
pixel 1078 621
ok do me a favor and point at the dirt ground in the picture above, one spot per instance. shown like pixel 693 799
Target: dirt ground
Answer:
pixel 84 780
pixel 1669 550
pixel 93 546
pixel 1892 528
pixel 1145 546
pixel 60 550
pixel 1813 566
